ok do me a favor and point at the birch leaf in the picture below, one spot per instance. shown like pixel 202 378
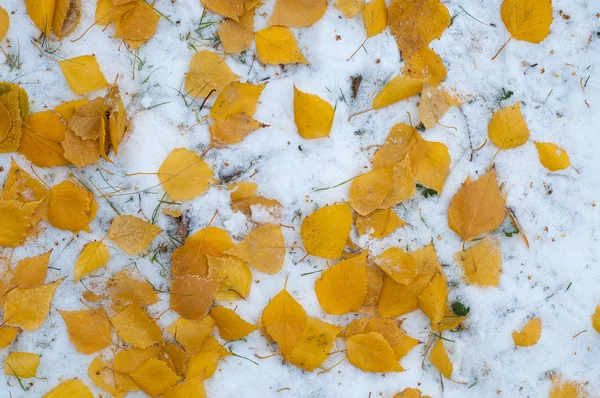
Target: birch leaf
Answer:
pixel 297 13
pixel 350 7
pixel 236 98
pixel 368 191
pixel 70 388
pixel 135 327
pixel 70 207
pixel 527 20
pixel 371 352
pixel 31 271
pixel 313 116
pixel 325 232
pixel 89 330
pixel 184 175
pixel 379 224
pixel 192 296
pixel 397 89
pixel 231 326
pixel 21 364
pixel 4 22
pixel 263 248
pixel 433 106
pixel 154 377
pixel 439 358
pixel 314 344
pixel 191 387
pixel 529 335
pixel 482 263
pixel 191 334
pixel 432 301
pixel 208 71
pixel 94 256
pixel 132 234
pixel 552 157
pixel 508 129
pixel 28 308
pixel 138 24
pixel 284 319
pixel 375 15
pixel 234 276
pixel 16 220
pixel 425 64
pixel 83 74
pixel 277 45
pixel 398 265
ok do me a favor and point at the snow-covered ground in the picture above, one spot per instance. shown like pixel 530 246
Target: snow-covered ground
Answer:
pixel 557 278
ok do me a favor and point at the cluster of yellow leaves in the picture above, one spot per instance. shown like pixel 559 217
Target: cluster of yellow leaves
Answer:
pixel 136 20
pixel 58 16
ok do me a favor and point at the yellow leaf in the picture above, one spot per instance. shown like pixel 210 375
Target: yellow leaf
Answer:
pixel 235 36
pixel 41 13
pixel 244 195
pixel 508 129
pixel 4 23
pixel 94 256
pixel 16 219
pixel 277 45
pixel 477 207
pixel 31 271
pixel 529 335
pixel 208 71
pixel 374 288
pixel 552 156
pixel 263 248
pixel 154 377
pixel 125 290
pixel 234 276
pixel 403 183
pixel 397 299
pixel 343 287
pixel 325 232
pixel 89 330
pixel 138 24
pixel 190 259
pixel 66 110
pixel 427 261
pixel 184 175
pixel 416 23
pixel 397 89
pixel 7 335
pixel 566 389
pixel 482 263
pixel 83 74
pixel 175 357
pixel 375 15
pixel 28 308
pixel 408 393
pixel 21 186
pixel 398 265
pixel 66 17
pixel 439 358
pixel 284 319
pixel 313 116
pixel 314 344
pixel 371 352
pixel 236 98
pixel 86 122
pixel 233 129
pixel 203 364
pixel 450 322
pixel 132 234
pixel 21 364
pixel 596 319
pixel 432 301
pixel 425 64
pixel 102 375
pixel 190 388
pixel 135 327
pixel 350 7
pixel 379 224
pixel 191 334
pixel 70 207
pixel 368 191
pixel 228 8
pixel 297 13
pixel 391 331
pixel 72 388
pixel 230 325
pixel 211 344
pixel 117 119
pixel 127 361
pixel 42 138
pixel 80 152
pixel 192 296
pixel 433 106
pixel 527 20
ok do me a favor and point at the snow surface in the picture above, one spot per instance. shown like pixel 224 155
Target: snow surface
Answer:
pixel 557 210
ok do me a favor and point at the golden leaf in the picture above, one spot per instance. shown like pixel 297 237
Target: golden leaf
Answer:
pixel 83 74
pixel 234 276
pixel 41 13
pixel 233 129
pixel 42 138
pixel 80 152
pixel 70 207
pixel 350 7
pixel 138 24
pixel 425 64
pixel 397 299
pixel 244 195
pixel 507 128
pixel 314 344
pixel 432 301
pixel 125 290
pixel 72 388
pixel 192 296
pixel 284 320
pixel 439 358
pixel 397 89
pixel 529 335
pixel 154 377
pixel 132 234
pixel 94 256
pixel 416 23
pixel 127 361
pixel 379 224
pixel 408 393
pixel 368 191
pixel 343 287
pixel 28 308
pixel 86 122
pixel 277 45
pixel 191 334
pixel 375 15
pixel 191 387
pixel 191 258
pixel 16 220
pixel 21 364
pixel 237 36
pixel 371 352
pixel 66 110
pixel 263 248
pixel 527 20
pixel 203 364
pixel 175 357
pixel 398 265
pixel 477 207
pixel 552 156
pixel 10 100
pixel 374 288
pixel 66 17
pixel 4 23
pixel 19 185
pixel 392 331
pixel 325 232
pixel 482 263
pixel 7 335
pixel 103 376
pixel 184 175
pixel 31 271
pixel 596 319
pixel 135 327
pixel 230 8
pixel 236 98
pixel 208 71
pixel 313 116
pixel 433 106
pixel 297 13
pixel 89 330
pixel 566 389
pixel 230 325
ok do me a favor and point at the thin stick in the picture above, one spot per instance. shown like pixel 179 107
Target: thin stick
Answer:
pixel 360 113
pixel 359 47
pixel 327 370
pixel 501 48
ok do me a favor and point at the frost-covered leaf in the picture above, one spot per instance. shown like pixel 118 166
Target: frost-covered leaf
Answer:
pixel 154 377
pixel 135 327
pixel 482 263
pixel 28 308
pixel 297 13
pixel 208 71
pixel 263 248
pixel 132 234
pixel 192 296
